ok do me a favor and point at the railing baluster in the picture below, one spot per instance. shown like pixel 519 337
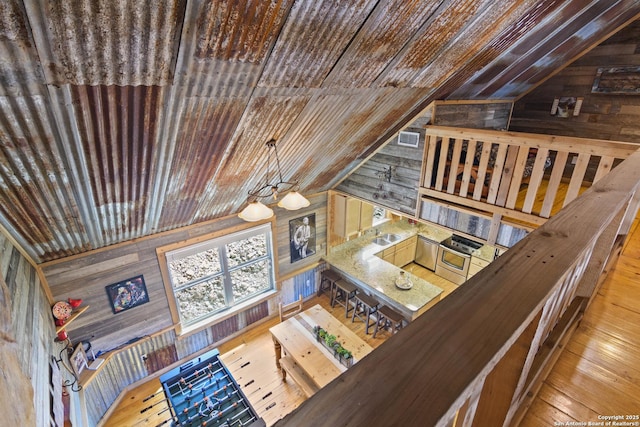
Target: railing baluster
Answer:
pixel 507 174
pixel 577 177
pixel 496 176
pixel 554 183
pixel 535 178
pixel 606 162
pixel 468 167
pixel 516 180
pixel 442 163
pixel 455 162
pixel 428 166
pixel 482 170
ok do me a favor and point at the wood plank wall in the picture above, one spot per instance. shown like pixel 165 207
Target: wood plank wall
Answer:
pixel 86 276
pixel 469 114
pixel 603 116
pixel 473 225
pixel 33 331
pixel 401 193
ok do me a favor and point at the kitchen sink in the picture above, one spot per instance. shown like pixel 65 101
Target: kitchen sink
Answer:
pixel 381 241
pixel 386 239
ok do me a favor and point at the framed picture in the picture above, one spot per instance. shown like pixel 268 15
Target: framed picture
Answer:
pixel 302 237
pixel 617 80
pixel 127 294
pixel 78 360
pixel 566 106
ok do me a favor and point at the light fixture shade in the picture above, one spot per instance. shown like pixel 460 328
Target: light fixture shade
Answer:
pixel 256 211
pixel 293 201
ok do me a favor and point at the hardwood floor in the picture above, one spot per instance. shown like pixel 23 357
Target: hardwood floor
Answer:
pixel 250 358
pixel 597 374
pixel 444 284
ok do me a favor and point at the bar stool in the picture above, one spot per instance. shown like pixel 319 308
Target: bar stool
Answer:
pixel 329 277
pixel 343 292
pixel 388 318
pixel 364 308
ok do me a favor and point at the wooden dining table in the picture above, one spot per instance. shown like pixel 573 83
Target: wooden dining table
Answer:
pixel 299 353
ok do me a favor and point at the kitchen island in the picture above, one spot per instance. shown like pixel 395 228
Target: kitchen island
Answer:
pixel 357 261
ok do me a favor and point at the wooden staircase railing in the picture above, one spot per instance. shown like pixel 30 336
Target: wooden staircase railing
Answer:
pixel 486 169
pixel 478 356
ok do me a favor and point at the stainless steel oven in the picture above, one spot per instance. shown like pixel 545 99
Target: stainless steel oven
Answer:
pixel 452 265
pixel 454 257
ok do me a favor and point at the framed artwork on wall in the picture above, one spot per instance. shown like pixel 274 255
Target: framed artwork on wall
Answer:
pixel 127 294
pixel 302 237
pixel 617 80
pixel 78 360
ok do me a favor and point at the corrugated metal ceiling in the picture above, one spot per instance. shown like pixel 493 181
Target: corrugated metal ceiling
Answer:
pixel 119 119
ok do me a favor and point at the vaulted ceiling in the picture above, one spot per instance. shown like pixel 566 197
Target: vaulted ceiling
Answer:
pixel 120 119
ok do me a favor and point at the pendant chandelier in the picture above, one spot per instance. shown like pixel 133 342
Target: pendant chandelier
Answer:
pixel 292 200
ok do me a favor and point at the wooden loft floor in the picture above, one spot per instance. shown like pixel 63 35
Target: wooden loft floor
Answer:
pixel 598 373
pixel 538 201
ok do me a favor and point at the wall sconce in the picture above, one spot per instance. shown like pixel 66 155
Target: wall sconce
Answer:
pixel 384 175
pixel 75 384
pixel 256 210
pixel 566 106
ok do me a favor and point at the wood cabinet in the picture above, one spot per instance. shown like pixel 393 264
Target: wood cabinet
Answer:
pixel 400 254
pixel 476 264
pixel 405 251
pixel 350 216
pixel 388 255
pixel 366 216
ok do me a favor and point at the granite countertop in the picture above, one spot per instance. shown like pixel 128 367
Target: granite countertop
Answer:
pixel 357 259
pixel 485 253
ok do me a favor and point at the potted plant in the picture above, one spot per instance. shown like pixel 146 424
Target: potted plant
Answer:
pixel 331 342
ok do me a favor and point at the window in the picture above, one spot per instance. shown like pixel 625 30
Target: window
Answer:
pixel 379 215
pixel 212 277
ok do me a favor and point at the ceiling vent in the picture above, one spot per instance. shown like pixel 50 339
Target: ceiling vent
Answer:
pixel 410 139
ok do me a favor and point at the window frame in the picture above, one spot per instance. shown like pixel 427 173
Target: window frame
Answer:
pixel 217 240
pixel 384 219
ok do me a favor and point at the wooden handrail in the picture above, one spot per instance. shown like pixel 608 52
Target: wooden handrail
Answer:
pixel 601 147
pixel 489 168
pixel 470 358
